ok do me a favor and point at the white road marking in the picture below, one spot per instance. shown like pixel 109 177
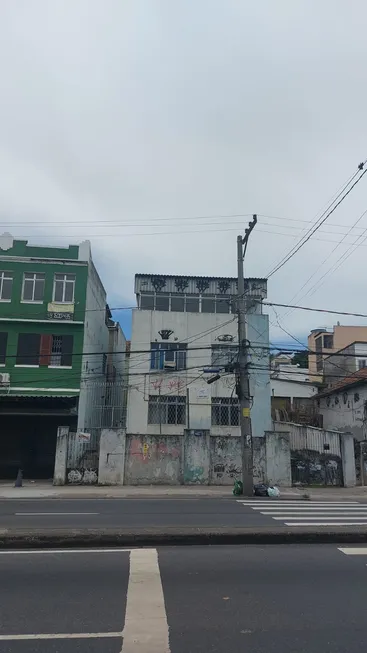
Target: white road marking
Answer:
pixel 146 627
pixel 58 551
pixel 354 551
pixel 327 523
pixel 314 509
pixel 15 638
pixel 312 512
pixel 278 502
pixel 44 514
pixel 340 515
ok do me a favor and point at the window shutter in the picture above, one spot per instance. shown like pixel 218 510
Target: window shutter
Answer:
pixel 45 349
pixel 3 343
pixel 66 351
pixel 28 349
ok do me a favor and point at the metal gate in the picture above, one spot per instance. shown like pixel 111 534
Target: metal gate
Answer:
pixel 315 457
pixel 83 458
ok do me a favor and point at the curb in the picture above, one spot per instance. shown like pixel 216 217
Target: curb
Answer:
pixel 174 537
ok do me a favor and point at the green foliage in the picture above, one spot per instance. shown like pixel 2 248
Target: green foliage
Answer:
pixel 301 359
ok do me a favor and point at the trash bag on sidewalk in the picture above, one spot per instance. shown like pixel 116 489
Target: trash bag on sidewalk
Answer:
pixel 273 491
pixel 237 488
pixel 261 490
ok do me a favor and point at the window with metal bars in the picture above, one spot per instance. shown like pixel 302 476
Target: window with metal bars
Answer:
pixel 225 411
pixel 166 410
pixel 224 355
pixel 61 351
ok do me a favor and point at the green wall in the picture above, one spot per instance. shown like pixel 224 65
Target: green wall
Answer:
pixel 42 377
pixel 13 313
pixel 17 309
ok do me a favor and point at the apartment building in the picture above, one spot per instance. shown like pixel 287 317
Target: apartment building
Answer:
pixel 55 336
pixel 184 334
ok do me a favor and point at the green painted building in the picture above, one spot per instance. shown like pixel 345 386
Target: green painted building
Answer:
pixel 54 337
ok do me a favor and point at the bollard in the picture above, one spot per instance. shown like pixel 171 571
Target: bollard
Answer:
pixel 19 479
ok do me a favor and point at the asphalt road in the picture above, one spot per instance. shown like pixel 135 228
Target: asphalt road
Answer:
pixel 41 514
pixel 275 599
pixel 126 513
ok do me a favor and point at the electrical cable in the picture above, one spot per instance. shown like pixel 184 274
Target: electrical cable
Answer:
pixel 324 216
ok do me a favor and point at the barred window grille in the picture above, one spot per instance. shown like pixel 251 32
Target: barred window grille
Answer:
pixel 223 355
pixel 56 351
pixel 225 411
pixel 166 410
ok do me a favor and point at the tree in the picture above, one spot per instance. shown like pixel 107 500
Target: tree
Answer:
pixel 301 358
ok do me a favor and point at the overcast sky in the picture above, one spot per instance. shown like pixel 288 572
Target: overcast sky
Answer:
pixel 140 117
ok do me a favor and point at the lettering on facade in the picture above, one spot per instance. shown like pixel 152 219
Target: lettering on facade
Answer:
pixel 51 315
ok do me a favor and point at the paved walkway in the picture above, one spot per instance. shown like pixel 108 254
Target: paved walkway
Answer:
pixel 46 490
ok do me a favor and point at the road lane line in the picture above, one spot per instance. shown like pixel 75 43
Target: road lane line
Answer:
pixel 275 509
pixel 146 627
pixel 319 512
pixel 327 523
pixel 354 551
pixel 58 551
pixel 280 502
pixel 47 514
pixel 15 638
pixel 324 516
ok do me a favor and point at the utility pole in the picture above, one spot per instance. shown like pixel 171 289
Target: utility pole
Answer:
pixel 243 380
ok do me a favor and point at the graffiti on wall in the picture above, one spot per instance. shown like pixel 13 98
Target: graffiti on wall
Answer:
pixel 85 471
pixel 167 384
pixel 311 467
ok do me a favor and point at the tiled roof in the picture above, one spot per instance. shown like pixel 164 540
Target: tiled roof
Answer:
pixel 356 378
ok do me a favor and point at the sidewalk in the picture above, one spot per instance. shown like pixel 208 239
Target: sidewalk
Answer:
pixel 44 490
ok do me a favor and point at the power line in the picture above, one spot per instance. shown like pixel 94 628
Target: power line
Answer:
pixel 316 310
pixel 325 215
pixel 327 258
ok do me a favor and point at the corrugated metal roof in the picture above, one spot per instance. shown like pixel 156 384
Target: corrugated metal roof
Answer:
pixel 194 276
pixel 15 395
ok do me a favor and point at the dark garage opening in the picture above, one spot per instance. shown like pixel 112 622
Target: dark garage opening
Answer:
pixel 28 431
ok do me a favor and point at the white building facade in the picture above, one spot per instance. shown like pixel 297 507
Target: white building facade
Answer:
pixel 184 333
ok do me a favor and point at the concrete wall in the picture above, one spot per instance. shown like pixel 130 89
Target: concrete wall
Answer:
pixel 196 458
pixel 95 344
pixel 112 457
pixel 225 460
pixel 348 459
pixel 190 459
pixel 61 455
pixel 307 443
pixel 278 459
pixel 346 410
pixel 288 388
pixel 200 330
pixel 153 460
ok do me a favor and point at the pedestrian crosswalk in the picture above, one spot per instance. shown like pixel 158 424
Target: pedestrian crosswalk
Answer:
pixel 310 513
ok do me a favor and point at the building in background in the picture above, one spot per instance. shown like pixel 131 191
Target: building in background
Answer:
pixel 55 339
pixel 345 362
pixel 293 393
pixel 325 342
pixel 184 332
pixel 344 405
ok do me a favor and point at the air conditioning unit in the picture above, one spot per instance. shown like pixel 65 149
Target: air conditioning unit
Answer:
pixel 4 378
pixel 169 365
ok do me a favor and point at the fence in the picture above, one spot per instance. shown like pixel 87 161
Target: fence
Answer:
pixel 105 407
pixel 316 455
